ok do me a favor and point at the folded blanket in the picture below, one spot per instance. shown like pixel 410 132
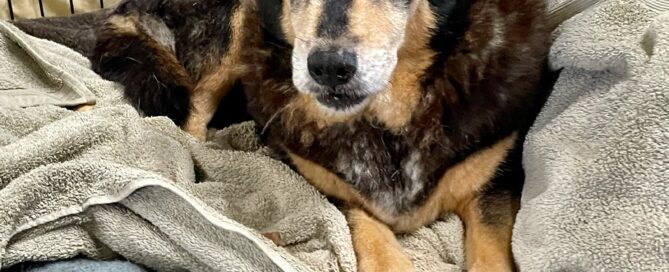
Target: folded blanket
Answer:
pixel 596 196
pixel 109 183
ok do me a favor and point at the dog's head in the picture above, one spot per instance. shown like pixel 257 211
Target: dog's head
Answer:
pixel 344 51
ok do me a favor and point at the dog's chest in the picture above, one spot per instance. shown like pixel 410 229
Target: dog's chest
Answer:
pixel 396 172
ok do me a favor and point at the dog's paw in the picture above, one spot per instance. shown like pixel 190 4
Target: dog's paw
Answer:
pixel 275 237
pixel 490 267
pixel 199 132
pixel 385 263
pixel 84 108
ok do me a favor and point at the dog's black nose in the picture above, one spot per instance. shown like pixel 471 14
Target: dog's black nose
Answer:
pixel 332 67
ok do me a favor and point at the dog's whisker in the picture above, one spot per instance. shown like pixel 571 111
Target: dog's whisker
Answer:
pixel 158 81
pixel 271 119
pixel 132 59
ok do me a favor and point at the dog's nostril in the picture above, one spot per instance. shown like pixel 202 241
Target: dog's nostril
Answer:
pixel 332 67
pixel 342 73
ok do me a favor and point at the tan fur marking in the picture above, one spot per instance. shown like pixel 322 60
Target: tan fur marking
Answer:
pixel 84 108
pixel 487 247
pixel 275 237
pixel 124 24
pixel 395 105
pixel 205 100
pixel 325 181
pixel 169 62
pixel 376 247
pixel 375 23
pixel 304 23
pixel 286 22
pixel 216 83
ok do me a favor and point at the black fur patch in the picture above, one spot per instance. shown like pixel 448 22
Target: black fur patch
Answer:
pixel 146 86
pixel 452 22
pixel 504 189
pixel 334 19
pixel 270 12
pixel 232 109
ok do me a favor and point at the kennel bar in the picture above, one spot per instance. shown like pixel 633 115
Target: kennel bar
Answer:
pixel 11 9
pixel 41 7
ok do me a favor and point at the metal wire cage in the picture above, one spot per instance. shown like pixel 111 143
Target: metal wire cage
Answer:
pixel 24 9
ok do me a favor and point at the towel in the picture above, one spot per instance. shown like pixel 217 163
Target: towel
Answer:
pixel 31 74
pixel 110 184
pixel 596 196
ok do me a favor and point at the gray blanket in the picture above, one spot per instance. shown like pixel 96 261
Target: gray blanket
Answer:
pixel 108 183
pixel 596 196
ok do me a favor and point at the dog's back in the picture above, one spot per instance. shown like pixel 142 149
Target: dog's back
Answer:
pixel 77 31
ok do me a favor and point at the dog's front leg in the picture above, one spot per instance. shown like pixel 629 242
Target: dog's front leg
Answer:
pixel 488 235
pixel 205 98
pixel 217 80
pixel 375 245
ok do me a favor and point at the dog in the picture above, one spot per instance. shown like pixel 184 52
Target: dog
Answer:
pixel 402 110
